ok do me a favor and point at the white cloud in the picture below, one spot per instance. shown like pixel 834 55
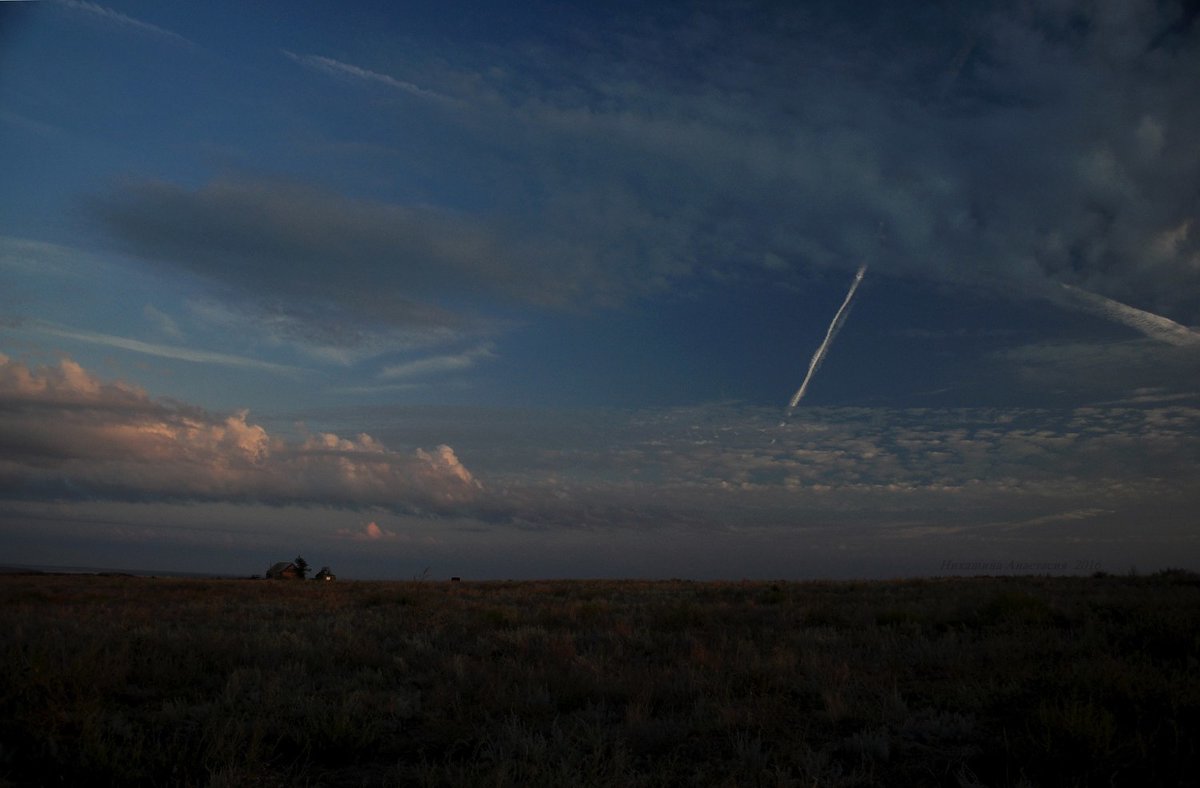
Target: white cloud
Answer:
pixel 116 17
pixel 438 365
pixel 332 334
pixel 162 322
pixel 338 68
pixel 162 351
pixel 1154 326
pixel 27 256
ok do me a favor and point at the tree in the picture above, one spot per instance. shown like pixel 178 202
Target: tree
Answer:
pixel 301 566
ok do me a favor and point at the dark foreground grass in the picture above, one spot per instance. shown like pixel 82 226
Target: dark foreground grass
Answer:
pixel 989 681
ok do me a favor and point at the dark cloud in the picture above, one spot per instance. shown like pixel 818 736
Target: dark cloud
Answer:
pixel 1008 146
pixel 279 237
pixel 387 262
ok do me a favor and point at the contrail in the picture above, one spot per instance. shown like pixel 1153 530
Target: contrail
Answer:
pixel 834 327
pixel 1154 326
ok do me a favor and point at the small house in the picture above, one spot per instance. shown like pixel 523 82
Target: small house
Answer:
pixel 284 570
pixel 325 574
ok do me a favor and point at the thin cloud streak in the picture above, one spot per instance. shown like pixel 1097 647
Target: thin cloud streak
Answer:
pixel 338 68
pixel 123 20
pixel 1153 326
pixel 163 351
pixel 437 365
pixel 163 322
pixel 334 334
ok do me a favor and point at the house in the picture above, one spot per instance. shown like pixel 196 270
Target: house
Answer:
pixel 284 570
pixel 325 574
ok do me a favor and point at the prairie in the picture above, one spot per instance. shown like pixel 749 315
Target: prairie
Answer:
pixel 964 681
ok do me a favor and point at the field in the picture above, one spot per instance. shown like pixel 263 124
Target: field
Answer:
pixel 962 682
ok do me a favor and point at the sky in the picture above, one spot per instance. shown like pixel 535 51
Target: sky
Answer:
pixel 515 290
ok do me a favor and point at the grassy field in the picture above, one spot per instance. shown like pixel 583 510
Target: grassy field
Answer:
pixel 985 681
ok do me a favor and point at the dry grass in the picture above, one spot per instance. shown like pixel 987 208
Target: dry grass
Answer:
pixel 989 681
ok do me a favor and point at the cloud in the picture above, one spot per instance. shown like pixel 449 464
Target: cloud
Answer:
pixel 67 434
pixel 374 533
pixel 444 460
pixel 162 351
pixel 371 532
pixel 1007 147
pixel 1071 516
pixel 338 68
pixel 32 126
pixel 162 322
pixel 26 256
pixel 438 365
pixel 1103 369
pixel 66 384
pixel 1154 326
pixel 376 258
pixel 122 20
pixel 711 468
pixel 337 333
pixel 320 329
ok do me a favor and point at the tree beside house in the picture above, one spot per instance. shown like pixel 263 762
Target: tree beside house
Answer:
pixel 297 570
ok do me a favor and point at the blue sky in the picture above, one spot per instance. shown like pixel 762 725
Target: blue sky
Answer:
pixel 511 290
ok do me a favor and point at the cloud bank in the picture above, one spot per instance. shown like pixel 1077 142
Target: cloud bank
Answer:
pixel 1007 146
pixel 862 470
pixel 67 434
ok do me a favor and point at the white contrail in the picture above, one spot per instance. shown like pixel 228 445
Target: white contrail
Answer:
pixel 1154 326
pixel 834 327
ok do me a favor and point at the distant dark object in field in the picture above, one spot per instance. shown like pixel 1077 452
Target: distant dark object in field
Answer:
pixel 455 579
pixel 325 574
pixel 301 566
pixel 284 570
